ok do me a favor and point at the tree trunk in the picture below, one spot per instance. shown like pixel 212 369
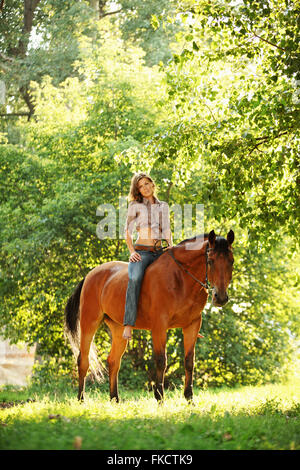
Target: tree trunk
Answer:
pixel 95 5
pixel 21 49
pixel 99 7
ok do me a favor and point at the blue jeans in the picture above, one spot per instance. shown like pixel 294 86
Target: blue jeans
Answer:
pixel 136 270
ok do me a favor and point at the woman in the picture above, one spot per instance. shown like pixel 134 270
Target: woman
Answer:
pixel 152 220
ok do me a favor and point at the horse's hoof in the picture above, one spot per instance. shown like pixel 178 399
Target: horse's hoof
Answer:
pixel 191 402
pixel 189 399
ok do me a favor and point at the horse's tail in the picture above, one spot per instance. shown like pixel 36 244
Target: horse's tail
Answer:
pixel 72 331
pixel 72 316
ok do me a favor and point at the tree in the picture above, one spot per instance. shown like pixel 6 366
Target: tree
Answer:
pixel 195 125
pixel 53 183
pixel 36 38
pixel 39 38
pixel 233 91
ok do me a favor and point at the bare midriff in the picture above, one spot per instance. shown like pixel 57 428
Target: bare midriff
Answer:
pixel 145 238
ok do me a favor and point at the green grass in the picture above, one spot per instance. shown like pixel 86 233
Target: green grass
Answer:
pixel 262 417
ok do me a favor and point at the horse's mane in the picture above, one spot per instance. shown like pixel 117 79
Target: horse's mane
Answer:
pixel 203 237
pixel 221 244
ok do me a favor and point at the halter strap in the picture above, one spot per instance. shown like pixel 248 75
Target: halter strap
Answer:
pixel 205 286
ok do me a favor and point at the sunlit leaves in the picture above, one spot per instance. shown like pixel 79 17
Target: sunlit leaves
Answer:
pixel 236 109
pixel 218 125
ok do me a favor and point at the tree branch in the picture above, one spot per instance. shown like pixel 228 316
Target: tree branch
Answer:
pixel 25 92
pixel 20 50
pixel 13 114
pixel 102 15
pixel 268 42
pixel 6 58
pixel 263 39
pixel 262 140
pixel 210 112
pixel 29 9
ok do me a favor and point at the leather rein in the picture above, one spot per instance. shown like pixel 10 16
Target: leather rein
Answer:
pixel 204 285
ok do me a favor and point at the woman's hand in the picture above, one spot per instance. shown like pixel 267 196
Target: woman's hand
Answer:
pixel 135 257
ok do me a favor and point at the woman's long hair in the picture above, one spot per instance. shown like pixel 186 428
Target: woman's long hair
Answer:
pixel 134 193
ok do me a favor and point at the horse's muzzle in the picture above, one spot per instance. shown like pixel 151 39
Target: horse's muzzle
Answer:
pixel 219 300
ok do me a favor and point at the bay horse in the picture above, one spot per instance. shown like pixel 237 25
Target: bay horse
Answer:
pixel 173 294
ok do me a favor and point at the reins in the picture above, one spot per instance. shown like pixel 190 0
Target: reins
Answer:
pixel 204 285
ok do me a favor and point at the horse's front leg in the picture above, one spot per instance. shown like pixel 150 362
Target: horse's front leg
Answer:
pixel 159 339
pixel 190 337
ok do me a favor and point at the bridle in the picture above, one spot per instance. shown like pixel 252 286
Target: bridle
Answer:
pixel 204 285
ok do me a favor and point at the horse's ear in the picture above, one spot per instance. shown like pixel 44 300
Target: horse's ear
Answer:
pixel 230 237
pixel 212 238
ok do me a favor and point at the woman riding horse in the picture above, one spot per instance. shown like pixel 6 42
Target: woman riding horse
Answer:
pixel 173 293
pixel 152 220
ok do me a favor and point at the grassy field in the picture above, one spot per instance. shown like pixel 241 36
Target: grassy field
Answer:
pixel 247 418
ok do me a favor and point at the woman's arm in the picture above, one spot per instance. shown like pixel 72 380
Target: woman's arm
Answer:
pixel 131 217
pixel 128 238
pixel 134 256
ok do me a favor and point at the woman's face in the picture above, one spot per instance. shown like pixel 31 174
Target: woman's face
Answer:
pixel 145 187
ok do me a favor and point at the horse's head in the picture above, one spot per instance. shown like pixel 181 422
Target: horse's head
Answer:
pixel 219 266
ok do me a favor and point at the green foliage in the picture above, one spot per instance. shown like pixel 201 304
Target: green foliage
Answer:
pixel 37 39
pixel 213 126
pixel 43 38
pixel 233 119
pixel 144 23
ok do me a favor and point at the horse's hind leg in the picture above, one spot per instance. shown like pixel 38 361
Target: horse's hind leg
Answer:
pixel 190 337
pixel 115 356
pixel 91 316
pixel 87 333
